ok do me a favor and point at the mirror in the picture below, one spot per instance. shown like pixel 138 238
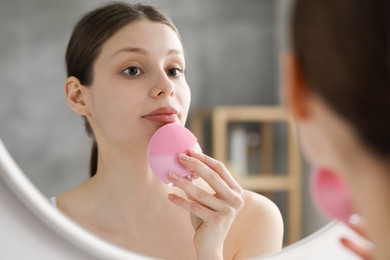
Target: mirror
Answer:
pixel 48 141
pixel 29 221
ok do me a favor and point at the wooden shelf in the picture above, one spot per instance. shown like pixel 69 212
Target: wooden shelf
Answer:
pixel 264 183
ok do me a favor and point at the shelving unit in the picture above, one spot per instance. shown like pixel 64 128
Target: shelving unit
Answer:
pixel 266 181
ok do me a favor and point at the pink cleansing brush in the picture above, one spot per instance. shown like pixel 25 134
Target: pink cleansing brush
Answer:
pixel 164 148
pixel 330 195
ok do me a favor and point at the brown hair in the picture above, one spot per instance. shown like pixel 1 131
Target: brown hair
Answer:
pixel 88 37
pixel 342 47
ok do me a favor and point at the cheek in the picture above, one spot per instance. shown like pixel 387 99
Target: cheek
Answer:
pixel 114 113
pixel 184 97
pixel 310 144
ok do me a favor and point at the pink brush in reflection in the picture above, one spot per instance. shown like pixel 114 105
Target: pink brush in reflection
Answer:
pixel 164 148
pixel 330 195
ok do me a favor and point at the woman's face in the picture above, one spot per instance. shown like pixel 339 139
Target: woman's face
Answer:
pixel 139 83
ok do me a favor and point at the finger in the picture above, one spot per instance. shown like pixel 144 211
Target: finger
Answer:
pixel 362 252
pixel 219 168
pixel 196 193
pixel 203 171
pixel 358 224
pixel 194 176
pixel 358 228
pixel 213 179
pixel 194 207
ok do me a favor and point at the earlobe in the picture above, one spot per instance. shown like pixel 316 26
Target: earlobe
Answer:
pixel 296 92
pixel 75 96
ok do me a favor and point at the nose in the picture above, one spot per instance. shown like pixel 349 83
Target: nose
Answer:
pixel 163 86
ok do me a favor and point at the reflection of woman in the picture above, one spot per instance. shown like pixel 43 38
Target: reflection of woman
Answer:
pixel 126 78
pixel 339 94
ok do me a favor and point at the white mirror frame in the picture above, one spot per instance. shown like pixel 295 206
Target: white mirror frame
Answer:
pixel 32 229
pixel 39 206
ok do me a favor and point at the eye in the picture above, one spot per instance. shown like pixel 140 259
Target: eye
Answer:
pixel 132 71
pixel 175 72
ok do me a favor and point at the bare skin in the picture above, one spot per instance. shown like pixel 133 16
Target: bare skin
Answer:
pixel 366 253
pixel 141 69
pixel 328 140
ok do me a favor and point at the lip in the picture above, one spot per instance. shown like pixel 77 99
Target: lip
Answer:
pixel 164 115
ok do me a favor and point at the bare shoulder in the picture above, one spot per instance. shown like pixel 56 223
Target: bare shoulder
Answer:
pixel 258 227
pixel 257 203
pixel 72 202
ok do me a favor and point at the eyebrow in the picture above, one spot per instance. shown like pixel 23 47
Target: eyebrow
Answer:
pixel 175 52
pixel 145 52
pixel 131 49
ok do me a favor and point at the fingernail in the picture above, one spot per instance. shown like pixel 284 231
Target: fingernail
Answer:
pixel 173 176
pixel 343 240
pixel 184 157
pixel 354 219
pixel 171 196
pixel 193 152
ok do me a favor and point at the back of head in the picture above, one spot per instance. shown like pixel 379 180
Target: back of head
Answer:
pixel 342 47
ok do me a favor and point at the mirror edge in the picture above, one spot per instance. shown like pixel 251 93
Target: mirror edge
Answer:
pixel 39 205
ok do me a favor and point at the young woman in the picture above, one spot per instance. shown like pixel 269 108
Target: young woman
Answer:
pixel 126 78
pixel 338 91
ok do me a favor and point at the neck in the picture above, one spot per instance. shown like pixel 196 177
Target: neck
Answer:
pixel 125 182
pixel 127 205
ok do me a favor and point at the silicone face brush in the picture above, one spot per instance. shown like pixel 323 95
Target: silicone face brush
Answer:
pixel 164 148
pixel 330 195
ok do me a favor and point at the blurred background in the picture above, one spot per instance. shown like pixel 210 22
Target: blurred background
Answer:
pixel 233 51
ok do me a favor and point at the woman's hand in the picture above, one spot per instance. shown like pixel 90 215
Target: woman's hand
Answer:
pixel 358 225
pixel 211 214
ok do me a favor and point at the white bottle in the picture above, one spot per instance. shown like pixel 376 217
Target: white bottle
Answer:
pixel 238 149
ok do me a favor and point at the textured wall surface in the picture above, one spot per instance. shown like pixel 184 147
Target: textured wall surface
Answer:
pixel 232 50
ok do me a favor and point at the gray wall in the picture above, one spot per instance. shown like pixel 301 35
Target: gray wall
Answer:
pixel 232 50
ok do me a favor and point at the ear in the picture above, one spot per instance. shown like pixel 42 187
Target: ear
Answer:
pixel 296 92
pixel 76 96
